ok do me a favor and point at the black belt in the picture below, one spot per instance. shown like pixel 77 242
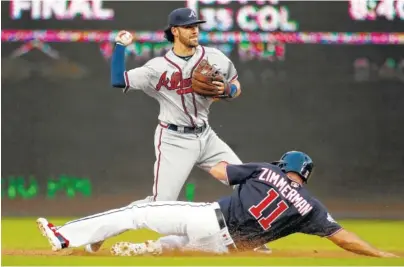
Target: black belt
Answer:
pixel 185 129
pixel 222 224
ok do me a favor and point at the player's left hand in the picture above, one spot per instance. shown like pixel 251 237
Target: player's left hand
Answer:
pixel 220 87
pixel 223 88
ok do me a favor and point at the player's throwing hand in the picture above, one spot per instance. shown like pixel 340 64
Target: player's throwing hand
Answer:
pixel 124 38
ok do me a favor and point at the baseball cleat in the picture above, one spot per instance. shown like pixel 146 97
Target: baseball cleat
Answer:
pixel 263 249
pixel 48 230
pixel 93 248
pixel 136 249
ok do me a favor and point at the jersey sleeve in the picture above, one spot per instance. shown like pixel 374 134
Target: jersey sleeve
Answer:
pixel 140 78
pixel 232 72
pixel 229 67
pixel 321 223
pixel 238 173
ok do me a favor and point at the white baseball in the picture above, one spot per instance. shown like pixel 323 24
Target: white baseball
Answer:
pixel 124 37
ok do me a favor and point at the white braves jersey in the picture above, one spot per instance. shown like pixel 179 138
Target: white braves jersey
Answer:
pixel 168 80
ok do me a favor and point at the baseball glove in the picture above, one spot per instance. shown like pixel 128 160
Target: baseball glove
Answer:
pixel 202 78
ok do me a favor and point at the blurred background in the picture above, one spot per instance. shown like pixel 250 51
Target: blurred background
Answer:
pixel 326 78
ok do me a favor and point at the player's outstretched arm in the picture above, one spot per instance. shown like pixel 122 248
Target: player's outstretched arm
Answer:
pixel 351 242
pixel 123 39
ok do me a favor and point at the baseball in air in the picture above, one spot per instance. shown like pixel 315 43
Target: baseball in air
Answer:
pixel 126 36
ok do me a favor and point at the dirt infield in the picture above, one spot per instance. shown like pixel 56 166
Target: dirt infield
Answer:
pixel 275 254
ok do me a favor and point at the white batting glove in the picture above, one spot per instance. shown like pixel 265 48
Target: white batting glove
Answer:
pixel 124 38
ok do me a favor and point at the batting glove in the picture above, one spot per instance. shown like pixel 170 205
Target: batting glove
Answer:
pixel 124 38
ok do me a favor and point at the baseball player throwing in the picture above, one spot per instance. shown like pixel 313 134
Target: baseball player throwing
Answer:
pixel 270 203
pixel 185 82
pixel 183 137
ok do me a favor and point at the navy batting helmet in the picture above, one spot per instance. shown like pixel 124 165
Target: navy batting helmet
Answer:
pixel 297 162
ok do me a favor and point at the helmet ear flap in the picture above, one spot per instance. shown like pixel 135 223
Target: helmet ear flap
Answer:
pixel 305 173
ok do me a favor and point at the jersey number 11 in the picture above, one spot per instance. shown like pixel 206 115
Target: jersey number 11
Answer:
pixel 257 210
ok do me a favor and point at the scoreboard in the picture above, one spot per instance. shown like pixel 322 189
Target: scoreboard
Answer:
pixel 251 30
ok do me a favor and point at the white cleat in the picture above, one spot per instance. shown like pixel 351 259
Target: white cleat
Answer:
pixel 93 248
pixel 47 230
pixel 136 249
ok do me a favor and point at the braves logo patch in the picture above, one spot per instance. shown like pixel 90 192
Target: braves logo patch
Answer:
pixel 175 82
